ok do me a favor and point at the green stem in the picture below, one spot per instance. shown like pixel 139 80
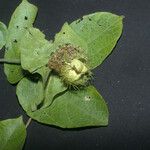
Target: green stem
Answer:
pixel 10 61
pixel 28 122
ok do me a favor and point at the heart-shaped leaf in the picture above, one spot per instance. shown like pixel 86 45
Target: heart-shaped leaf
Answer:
pixel 12 134
pixel 75 109
pixel 3 34
pixel 21 20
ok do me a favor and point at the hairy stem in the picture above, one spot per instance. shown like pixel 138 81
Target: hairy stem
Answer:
pixel 28 122
pixel 10 61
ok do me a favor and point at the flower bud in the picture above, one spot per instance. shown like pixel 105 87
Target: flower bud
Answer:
pixel 70 64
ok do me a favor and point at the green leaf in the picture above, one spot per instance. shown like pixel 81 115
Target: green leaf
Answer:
pixel 30 93
pixel 12 134
pixel 3 34
pixel 54 86
pixel 45 73
pixel 13 72
pixel 75 109
pixel 101 31
pixel 96 33
pixel 22 18
pixel 35 50
pixel 67 35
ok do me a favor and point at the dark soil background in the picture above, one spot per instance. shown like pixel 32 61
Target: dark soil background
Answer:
pixel 123 79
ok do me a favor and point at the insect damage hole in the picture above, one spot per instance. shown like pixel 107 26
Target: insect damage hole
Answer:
pixel 26 18
pixel 90 19
pixel 15 41
pixel 87 98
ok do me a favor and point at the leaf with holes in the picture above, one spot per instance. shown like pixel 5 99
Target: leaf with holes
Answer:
pixel 68 36
pixel 22 18
pixel 12 134
pixel 96 34
pixel 35 50
pixel 75 109
pixel 53 77
pixel 101 31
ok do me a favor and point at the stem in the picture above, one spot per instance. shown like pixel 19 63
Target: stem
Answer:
pixel 28 122
pixel 10 61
